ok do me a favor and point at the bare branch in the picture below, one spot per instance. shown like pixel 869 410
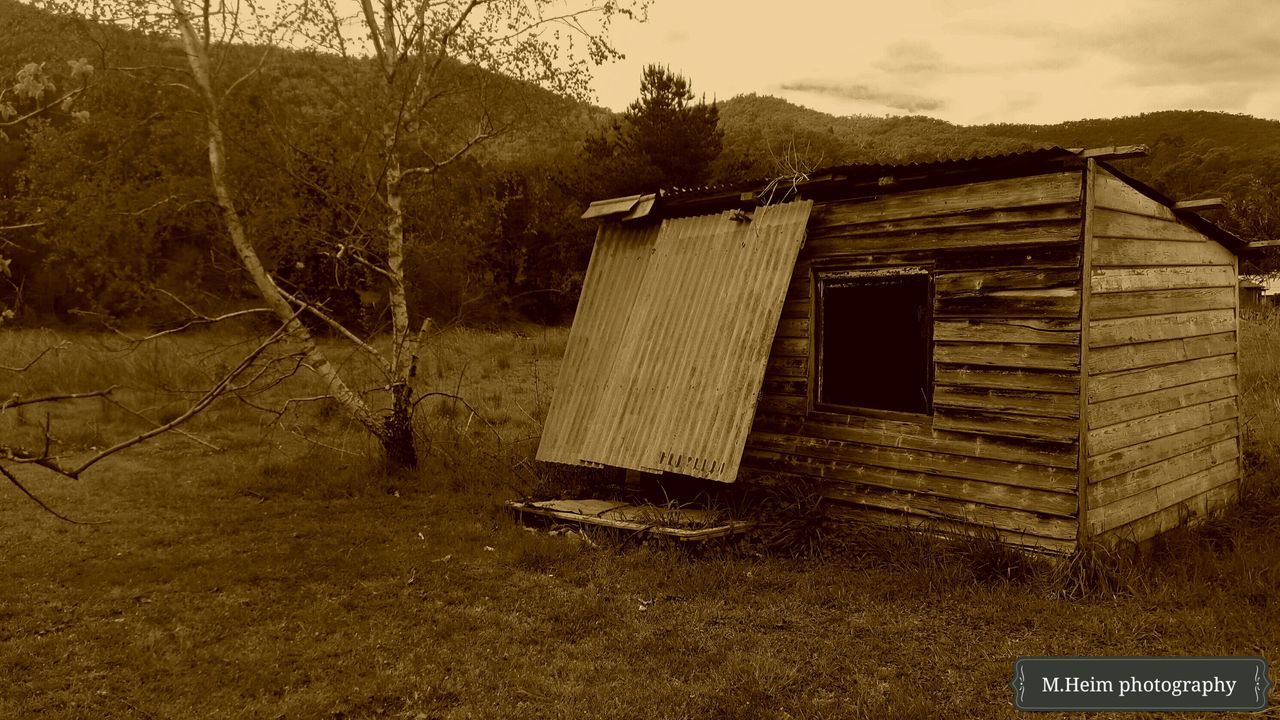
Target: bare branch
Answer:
pixel 294 430
pixel 256 69
pixel 213 394
pixel 23 226
pixel 14 480
pixel 16 401
pixel 202 320
pixel 342 329
pixel 149 208
pixel 36 359
pixel 479 137
pixel 180 431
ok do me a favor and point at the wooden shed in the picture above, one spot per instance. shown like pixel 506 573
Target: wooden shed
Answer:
pixel 1033 343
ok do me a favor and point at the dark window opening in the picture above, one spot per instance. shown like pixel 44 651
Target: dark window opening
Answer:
pixel 874 341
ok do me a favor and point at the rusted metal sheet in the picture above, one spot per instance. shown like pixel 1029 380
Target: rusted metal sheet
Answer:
pixel 618 264
pixel 683 377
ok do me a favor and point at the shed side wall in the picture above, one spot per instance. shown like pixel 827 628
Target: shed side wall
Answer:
pixel 1000 449
pixel 1162 393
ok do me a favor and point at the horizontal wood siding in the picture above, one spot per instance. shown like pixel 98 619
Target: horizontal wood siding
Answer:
pixel 1163 432
pixel 1000 449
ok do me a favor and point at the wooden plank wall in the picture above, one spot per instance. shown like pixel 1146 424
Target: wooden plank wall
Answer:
pixel 1162 408
pixel 1000 449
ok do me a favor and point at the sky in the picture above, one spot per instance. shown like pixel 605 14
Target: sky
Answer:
pixel 965 61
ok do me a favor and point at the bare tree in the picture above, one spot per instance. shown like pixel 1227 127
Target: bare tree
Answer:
pixel 255 371
pixel 414 45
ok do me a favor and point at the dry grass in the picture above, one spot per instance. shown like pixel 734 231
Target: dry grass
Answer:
pixel 281 578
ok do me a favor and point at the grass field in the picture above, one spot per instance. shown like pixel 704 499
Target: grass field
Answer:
pixel 285 575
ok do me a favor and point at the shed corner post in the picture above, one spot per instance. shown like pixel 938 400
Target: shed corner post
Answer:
pixel 1235 267
pixel 1088 196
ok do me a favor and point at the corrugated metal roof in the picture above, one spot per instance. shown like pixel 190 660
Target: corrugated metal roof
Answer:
pixel 874 170
pixel 683 377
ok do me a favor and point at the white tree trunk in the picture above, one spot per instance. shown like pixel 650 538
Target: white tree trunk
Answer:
pixel 198 59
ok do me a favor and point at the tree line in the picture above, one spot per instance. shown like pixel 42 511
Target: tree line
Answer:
pixel 109 209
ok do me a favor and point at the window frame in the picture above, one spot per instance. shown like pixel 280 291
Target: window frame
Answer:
pixel 823 272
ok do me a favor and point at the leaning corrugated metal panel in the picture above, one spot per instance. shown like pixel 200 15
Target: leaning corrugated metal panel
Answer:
pixel 618 264
pixel 681 393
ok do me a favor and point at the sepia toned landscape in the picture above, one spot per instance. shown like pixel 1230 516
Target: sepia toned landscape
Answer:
pixel 310 313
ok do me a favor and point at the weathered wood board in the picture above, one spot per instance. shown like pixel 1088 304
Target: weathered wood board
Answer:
pixel 1163 434
pixel 999 448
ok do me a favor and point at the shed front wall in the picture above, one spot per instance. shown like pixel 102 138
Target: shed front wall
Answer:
pixel 1163 433
pixel 1000 448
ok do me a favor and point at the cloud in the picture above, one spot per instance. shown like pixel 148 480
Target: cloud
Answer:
pixel 910 57
pixel 865 93
pixel 1222 52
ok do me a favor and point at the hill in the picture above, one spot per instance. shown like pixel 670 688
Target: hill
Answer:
pixel 122 203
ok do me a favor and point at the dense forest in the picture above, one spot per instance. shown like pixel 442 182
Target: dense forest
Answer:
pixel 106 210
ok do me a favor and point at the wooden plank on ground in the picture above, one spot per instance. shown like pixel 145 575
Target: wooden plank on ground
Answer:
pixel 678 523
pixel 1161 302
pixel 1160 352
pixel 1151 403
pixel 1122 331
